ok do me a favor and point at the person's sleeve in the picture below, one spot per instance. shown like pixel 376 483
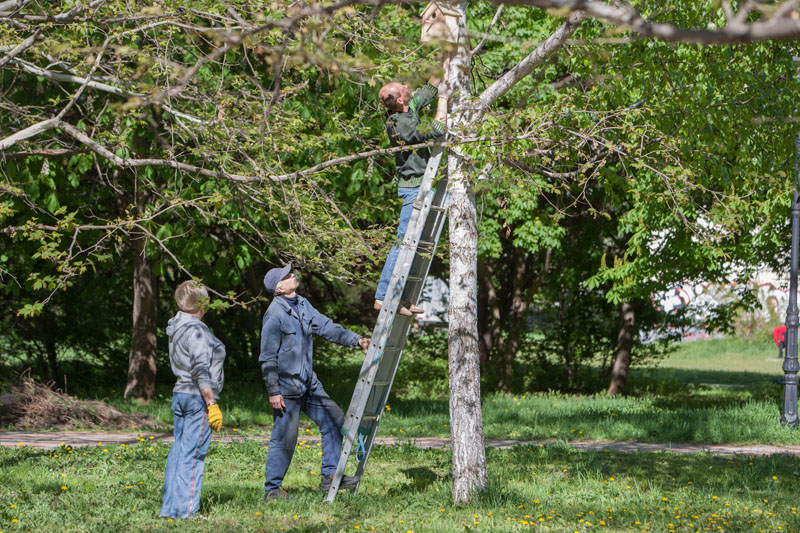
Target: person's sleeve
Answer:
pixel 198 347
pixel 270 344
pixel 331 331
pixel 422 97
pixel 407 132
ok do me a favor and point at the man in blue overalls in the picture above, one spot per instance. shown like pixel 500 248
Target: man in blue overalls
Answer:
pixel 287 353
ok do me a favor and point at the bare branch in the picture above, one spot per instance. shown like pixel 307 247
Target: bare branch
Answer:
pixel 533 60
pixel 488 30
pixel 30 131
pixel 21 47
pixel 57 76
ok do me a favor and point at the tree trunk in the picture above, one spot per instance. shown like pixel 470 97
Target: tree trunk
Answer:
pixel 142 359
pixel 622 353
pixel 466 423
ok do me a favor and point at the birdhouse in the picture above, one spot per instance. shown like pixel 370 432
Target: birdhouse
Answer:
pixel 439 23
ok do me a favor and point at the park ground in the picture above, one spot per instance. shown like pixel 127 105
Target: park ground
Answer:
pixel 724 392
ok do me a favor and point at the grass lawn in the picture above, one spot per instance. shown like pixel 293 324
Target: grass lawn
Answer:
pixel 541 488
pixel 544 488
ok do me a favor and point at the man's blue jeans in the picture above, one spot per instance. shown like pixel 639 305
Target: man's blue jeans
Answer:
pixel 324 412
pixel 183 478
pixel 408 194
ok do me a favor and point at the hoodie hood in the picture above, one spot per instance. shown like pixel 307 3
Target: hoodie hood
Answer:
pixel 178 321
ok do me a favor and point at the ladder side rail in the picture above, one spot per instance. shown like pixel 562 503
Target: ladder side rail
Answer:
pixel 369 442
pixel 424 263
pixel 369 369
pixel 371 438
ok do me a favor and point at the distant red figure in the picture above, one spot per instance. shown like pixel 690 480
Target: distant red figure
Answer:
pixel 779 336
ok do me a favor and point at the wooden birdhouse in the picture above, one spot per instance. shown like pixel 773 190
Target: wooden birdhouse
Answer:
pixel 439 23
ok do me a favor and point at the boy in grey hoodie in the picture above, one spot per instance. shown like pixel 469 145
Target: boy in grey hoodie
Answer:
pixel 196 357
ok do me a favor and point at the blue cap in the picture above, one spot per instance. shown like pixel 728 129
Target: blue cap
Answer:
pixel 274 276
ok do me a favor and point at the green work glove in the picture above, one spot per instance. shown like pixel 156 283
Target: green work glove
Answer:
pixel 215 417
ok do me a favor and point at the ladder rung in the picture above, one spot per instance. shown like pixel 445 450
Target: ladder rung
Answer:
pixel 414 278
pixel 380 383
pixel 369 417
pixel 438 208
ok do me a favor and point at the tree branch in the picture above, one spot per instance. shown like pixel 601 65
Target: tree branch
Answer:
pixel 780 26
pixel 21 47
pixel 30 131
pixel 533 60
pixel 488 30
pixel 57 76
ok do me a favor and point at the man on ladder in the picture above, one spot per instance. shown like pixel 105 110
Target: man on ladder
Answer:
pixel 404 127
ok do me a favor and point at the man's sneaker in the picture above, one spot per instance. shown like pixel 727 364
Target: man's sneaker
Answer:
pixel 278 494
pixel 348 482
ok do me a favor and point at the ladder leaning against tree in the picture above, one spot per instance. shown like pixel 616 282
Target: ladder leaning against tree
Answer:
pixel 391 330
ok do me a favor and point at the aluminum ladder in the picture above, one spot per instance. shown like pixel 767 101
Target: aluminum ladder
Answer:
pixel 390 333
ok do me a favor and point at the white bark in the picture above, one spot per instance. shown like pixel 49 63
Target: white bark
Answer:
pixel 490 95
pixel 28 132
pixel 21 47
pixel 466 423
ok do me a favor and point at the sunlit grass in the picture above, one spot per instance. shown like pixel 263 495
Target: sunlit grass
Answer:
pixel 545 488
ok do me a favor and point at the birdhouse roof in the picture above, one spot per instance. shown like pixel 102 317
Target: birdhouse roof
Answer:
pixel 441 6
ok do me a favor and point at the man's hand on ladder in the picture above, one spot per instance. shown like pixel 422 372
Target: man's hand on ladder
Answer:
pixel 364 343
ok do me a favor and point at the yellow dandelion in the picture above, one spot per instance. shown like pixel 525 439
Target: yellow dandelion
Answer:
pixel 63 487
pixel 258 513
pixel 356 527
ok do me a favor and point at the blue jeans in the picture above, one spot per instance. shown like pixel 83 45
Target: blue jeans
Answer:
pixel 183 478
pixel 408 194
pixel 324 412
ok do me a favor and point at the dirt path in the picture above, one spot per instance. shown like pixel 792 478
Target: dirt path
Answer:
pixel 54 439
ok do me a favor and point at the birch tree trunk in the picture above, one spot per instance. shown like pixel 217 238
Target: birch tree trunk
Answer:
pixel 622 353
pixel 466 423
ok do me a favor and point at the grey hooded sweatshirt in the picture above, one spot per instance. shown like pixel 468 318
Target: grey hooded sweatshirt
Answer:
pixel 195 355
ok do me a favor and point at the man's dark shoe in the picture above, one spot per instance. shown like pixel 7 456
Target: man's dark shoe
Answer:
pixel 279 495
pixel 348 482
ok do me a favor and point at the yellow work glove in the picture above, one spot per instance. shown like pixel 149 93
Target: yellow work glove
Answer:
pixel 215 417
